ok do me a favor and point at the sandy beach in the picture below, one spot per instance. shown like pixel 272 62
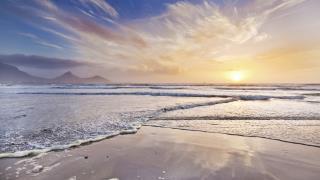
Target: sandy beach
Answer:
pixel 162 153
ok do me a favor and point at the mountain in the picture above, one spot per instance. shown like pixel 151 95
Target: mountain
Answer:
pixel 13 75
pixel 70 78
pixel 96 79
pixel 67 77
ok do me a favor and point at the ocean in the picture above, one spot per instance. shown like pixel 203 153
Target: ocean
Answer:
pixel 40 118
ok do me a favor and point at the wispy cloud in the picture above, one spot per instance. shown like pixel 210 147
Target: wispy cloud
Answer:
pixel 261 37
pixel 40 41
pixel 183 37
pixel 101 6
pixel 33 61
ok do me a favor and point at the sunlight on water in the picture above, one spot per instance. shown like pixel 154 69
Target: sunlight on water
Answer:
pixel 51 116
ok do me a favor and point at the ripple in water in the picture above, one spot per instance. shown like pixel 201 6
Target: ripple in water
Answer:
pixel 41 118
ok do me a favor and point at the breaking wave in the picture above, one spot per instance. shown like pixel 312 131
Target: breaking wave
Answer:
pixel 34 152
pixel 39 148
pixel 224 94
pixel 240 97
pixel 237 118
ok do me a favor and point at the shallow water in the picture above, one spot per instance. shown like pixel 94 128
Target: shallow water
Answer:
pixel 57 116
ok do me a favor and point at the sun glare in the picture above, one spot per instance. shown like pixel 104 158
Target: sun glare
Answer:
pixel 236 76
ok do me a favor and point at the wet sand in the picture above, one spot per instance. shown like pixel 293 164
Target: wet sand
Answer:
pixel 160 153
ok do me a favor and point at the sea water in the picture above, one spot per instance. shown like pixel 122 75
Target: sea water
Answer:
pixel 39 118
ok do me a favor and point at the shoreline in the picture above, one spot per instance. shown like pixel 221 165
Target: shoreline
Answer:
pixel 79 143
pixel 76 144
pixel 164 153
pixel 231 134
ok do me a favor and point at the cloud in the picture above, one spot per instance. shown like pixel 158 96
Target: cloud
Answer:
pixel 40 41
pixel 155 68
pixel 261 37
pixel 101 5
pixel 85 28
pixel 40 62
pixel 183 37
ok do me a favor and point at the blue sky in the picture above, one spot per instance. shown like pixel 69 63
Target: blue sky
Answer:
pixel 15 27
pixel 166 40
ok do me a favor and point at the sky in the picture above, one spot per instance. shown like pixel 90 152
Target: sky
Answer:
pixel 165 41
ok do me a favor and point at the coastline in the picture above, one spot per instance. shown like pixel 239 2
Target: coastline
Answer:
pixel 163 153
pixel 78 143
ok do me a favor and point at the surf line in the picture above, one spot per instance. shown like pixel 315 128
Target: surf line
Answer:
pixel 231 134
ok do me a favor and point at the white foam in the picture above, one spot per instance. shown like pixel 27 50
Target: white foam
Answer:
pixel 260 97
pixel 49 168
pixel 61 147
pixel 118 117
pixel 169 94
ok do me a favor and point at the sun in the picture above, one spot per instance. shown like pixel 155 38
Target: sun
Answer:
pixel 236 76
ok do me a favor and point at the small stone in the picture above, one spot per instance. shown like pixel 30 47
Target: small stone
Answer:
pixel 37 169
pixel 73 178
pixel 86 157
pixel 47 130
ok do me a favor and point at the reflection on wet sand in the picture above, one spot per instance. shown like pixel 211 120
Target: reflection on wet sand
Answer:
pixel 160 153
